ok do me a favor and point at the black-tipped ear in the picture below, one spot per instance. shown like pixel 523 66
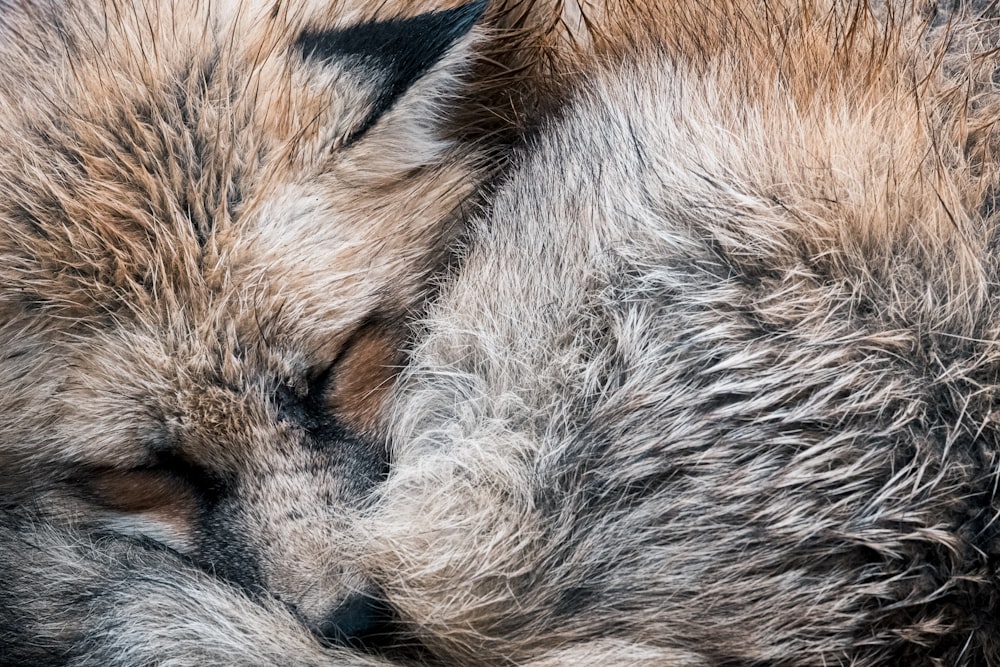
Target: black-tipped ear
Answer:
pixel 399 51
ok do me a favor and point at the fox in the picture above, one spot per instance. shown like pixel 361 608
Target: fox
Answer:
pixel 215 220
pixel 706 378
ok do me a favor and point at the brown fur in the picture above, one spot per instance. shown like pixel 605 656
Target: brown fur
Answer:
pixel 540 50
pixel 712 384
pixel 365 376
pixel 197 227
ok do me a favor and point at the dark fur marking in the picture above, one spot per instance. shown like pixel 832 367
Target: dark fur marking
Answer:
pixel 210 485
pixel 368 462
pixel 991 202
pixel 20 214
pixel 402 50
pixel 224 550
pixel 19 642
pixel 574 600
pixel 326 433
pixel 72 158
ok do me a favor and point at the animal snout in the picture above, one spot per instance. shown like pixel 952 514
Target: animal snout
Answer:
pixel 360 619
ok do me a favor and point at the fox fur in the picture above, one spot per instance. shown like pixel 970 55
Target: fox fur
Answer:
pixel 214 219
pixel 716 382
pixel 540 50
pixel 709 380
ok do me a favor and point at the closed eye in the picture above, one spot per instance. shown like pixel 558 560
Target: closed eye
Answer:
pixel 166 483
pixel 172 464
pixel 147 502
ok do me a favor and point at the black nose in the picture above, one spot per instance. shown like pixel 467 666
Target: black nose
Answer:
pixel 358 619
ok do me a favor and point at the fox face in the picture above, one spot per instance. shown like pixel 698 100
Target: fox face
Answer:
pixel 213 218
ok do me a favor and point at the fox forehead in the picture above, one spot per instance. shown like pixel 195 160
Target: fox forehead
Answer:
pixel 168 158
pixel 182 217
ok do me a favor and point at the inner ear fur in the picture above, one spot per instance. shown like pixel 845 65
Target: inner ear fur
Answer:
pixel 393 53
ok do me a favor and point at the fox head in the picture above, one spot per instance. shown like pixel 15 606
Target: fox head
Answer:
pixel 213 218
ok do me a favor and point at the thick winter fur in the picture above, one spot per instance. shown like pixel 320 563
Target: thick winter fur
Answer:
pixel 214 217
pixel 713 383
pixel 716 383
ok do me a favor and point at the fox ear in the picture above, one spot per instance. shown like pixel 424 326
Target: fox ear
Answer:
pixel 395 53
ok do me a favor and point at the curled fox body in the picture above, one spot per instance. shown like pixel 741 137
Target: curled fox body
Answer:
pixel 716 383
pixel 710 381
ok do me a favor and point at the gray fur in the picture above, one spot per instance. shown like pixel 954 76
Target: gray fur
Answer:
pixel 712 383
pixel 95 601
pixel 708 382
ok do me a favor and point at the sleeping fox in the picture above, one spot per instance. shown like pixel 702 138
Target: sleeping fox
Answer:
pixel 709 380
